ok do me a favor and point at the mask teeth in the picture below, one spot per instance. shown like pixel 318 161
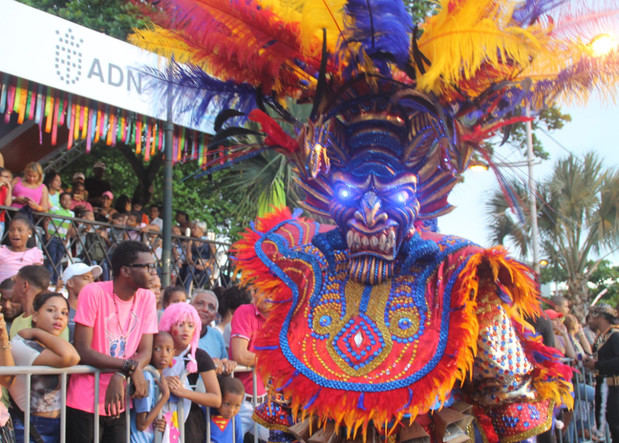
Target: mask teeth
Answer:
pixel 370 270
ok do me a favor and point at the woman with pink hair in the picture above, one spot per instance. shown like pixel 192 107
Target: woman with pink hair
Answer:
pixel 182 321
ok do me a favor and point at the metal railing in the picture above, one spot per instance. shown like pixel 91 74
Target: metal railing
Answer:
pixel 29 371
pixel 581 421
pixel 92 242
pixel 579 430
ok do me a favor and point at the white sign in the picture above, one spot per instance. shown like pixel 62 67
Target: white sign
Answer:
pixel 58 53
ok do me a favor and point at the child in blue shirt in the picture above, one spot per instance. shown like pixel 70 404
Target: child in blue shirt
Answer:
pixel 222 418
pixel 145 410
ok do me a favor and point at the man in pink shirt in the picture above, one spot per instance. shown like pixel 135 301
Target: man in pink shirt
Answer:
pixel 246 322
pixel 114 326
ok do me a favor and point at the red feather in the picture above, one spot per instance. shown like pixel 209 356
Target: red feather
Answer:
pixel 239 40
pixel 276 136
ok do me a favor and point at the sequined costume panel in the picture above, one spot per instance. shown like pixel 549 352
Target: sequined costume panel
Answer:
pixel 501 371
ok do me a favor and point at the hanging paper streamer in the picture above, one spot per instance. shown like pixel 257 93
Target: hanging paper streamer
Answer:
pixel 39 113
pixel 55 122
pixel 32 100
pixel 93 122
pixel 153 147
pixel 3 92
pixel 147 147
pixel 10 100
pixel 18 95
pixel 91 129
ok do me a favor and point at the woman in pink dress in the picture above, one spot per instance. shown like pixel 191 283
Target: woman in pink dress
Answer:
pixel 17 254
pixel 30 191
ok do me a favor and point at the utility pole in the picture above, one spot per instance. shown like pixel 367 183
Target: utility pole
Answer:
pixel 532 196
pixel 167 186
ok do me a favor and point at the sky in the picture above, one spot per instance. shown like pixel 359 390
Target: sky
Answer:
pixel 594 126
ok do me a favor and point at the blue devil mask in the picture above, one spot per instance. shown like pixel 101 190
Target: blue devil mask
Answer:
pixel 377 147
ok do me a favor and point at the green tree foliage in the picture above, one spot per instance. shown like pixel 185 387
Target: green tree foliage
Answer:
pixel 112 17
pixel 263 182
pixel 118 171
pixel 577 220
pixel 606 277
pixel 420 9
pixel 205 198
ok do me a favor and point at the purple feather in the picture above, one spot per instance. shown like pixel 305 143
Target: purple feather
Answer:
pixel 380 25
pixel 581 76
pixel 195 91
pixel 532 9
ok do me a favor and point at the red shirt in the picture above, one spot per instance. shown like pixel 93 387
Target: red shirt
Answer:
pixel 246 322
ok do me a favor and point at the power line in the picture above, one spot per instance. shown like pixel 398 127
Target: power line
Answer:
pixel 557 142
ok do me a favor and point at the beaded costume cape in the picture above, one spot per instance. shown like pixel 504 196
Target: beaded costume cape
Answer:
pixel 357 353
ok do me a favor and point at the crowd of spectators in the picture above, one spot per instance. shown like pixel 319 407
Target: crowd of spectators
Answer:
pixel 79 284
pixel 85 222
pixel 592 348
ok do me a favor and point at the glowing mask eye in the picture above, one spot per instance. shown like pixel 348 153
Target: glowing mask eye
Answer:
pixel 344 194
pixel 401 197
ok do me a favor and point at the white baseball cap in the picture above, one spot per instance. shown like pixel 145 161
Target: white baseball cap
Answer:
pixel 80 269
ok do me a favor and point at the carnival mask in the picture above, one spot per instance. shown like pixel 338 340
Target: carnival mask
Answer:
pixel 375 214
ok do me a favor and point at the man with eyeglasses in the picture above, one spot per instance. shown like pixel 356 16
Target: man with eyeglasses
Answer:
pixel 115 323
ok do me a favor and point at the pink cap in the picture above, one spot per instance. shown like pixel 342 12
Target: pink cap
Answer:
pixel 552 314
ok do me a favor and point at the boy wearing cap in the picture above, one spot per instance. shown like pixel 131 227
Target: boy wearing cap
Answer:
pixel 106 210
pixel 75 277
pixel 78 180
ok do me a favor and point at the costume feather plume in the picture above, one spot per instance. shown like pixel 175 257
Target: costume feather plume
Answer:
pixel 575 69
pixel 467 36
pixel 236 40
pixel 575 83
pixel 313 17
pixel 529 11
pixel 380 27
pixel 582 20
pixel 195 90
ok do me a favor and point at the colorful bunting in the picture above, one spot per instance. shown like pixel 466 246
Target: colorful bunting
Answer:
pixel 91 121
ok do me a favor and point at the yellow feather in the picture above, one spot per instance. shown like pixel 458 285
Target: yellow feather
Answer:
pixel 462 40
pixel 313 17
pixel 163 42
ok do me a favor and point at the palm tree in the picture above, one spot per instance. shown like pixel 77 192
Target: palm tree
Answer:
pixel 504 225
pixel 264 182
pixel 267 180
pixel 577 218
